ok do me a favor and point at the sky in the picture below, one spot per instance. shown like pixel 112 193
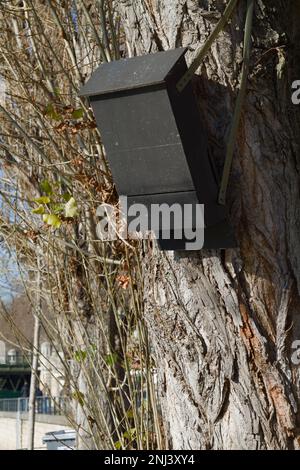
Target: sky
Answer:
pixel 9 276
pixel 8 267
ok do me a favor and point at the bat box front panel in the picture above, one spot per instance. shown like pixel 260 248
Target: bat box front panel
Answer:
pixel 142 142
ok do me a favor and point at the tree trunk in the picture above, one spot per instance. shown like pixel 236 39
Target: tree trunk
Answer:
pixel 34 379
pixel 222 323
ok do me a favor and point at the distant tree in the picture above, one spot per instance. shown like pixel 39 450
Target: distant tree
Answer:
pixel 53 177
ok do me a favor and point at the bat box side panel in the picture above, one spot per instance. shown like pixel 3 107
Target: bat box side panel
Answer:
pixel 142 142
pixel 194 141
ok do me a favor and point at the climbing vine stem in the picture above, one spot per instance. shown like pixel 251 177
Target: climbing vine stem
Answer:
pixel 239 103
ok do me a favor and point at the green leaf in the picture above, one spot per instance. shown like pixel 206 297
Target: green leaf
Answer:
pixel 78 113
pixel 51 112
pixel 130 413
pixel 49 108
pixel 118 445
pixel 42 200
pixel 71 209
pixel 79 396
pixel 46 187
pixel 93 350
pixel 66 196
pixel 57 208
pixel 52 219
pixel 80 356
pixel 130 433
pixel 39 210
pixel 111 359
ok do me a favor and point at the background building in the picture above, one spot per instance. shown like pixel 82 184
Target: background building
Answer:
pixel 16 335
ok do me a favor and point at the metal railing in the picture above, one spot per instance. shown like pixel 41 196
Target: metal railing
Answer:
pixel 14 360
pixel 43 405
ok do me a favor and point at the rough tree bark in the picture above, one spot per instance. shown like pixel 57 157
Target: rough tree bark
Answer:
pixel 222 323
